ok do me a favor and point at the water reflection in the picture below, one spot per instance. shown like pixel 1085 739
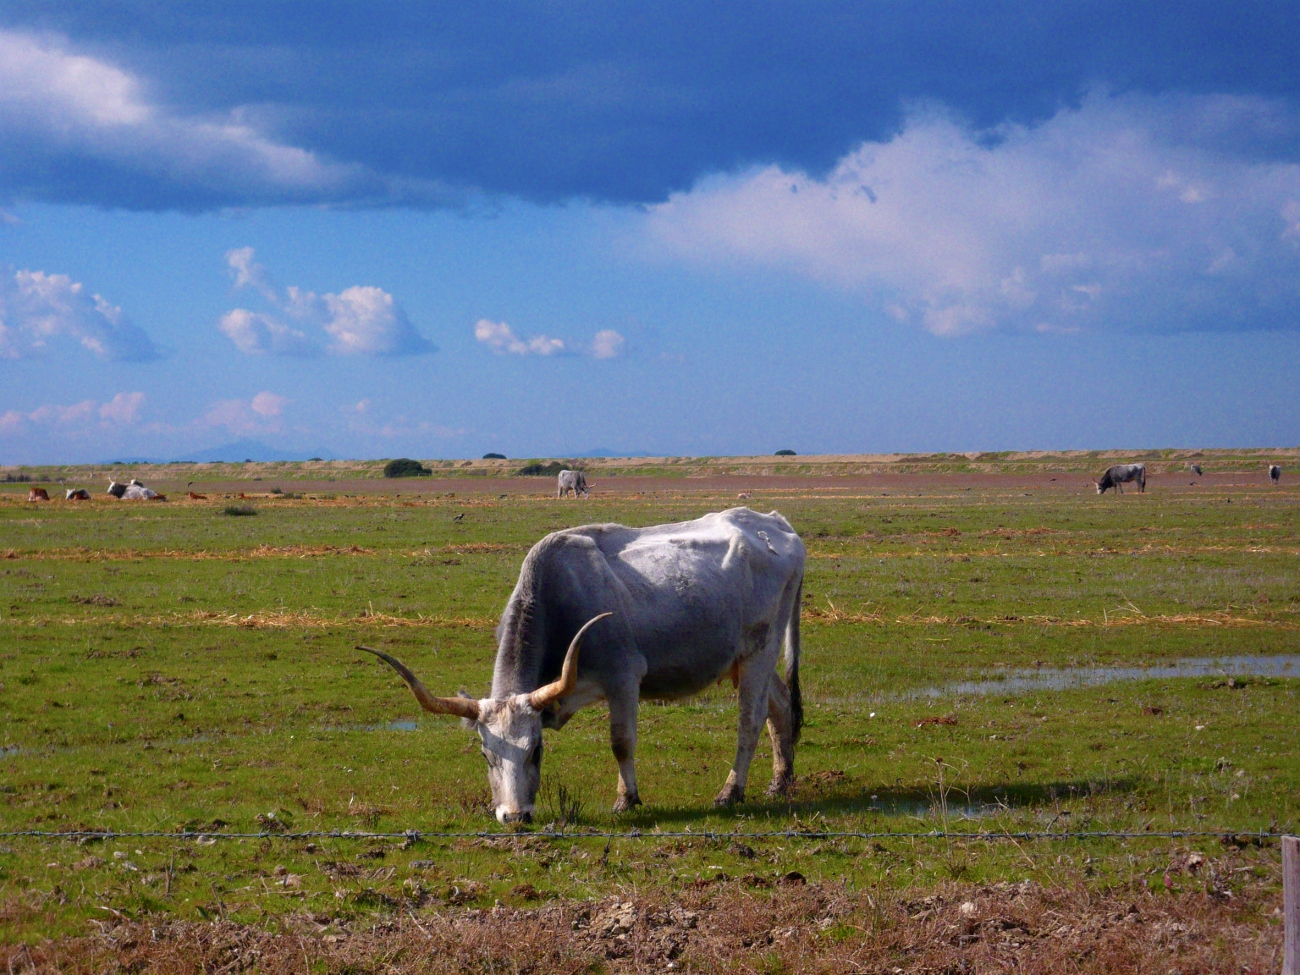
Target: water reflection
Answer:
pixel 1061 679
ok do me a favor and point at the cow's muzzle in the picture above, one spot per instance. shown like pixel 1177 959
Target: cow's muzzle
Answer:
pixel 525 816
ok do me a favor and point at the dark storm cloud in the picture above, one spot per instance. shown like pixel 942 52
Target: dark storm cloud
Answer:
pixel 383 103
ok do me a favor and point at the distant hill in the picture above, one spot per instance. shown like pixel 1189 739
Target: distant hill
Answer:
pixel 231 453
pixel 606 452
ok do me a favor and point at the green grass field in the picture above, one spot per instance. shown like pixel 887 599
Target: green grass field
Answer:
pixel 167 667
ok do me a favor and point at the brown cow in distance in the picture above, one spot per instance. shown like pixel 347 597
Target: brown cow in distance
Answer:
pixel 38 494
pixel 196 497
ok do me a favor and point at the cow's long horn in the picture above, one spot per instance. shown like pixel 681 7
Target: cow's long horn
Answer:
pixel 462 707
pixel 555 690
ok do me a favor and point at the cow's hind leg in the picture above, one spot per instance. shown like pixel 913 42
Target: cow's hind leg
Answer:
pixel 755 680
pixel 622 739
pixel 780 730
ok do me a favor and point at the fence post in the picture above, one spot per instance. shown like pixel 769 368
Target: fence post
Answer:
pixel 1291 904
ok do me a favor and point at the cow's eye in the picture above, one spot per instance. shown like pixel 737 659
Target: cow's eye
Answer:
pixel 492 760
pixel 536 757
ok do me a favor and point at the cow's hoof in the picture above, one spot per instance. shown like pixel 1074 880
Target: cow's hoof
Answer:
pixel 730 795
pixel 625 803
pixel 780 788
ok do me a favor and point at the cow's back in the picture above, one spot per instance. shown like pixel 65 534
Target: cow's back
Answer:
pixel 688 595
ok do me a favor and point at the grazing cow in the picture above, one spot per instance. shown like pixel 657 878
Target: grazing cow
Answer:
pixel 666 612
pixel 574 481
pixel 1123 474
pixel 1195 469
pixel 77 494
pixel 196 497
pixel 1274 473
pixel 38 494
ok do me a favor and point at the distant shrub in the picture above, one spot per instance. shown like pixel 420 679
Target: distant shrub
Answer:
pixel 239 510
pixel 310 459
pixel 785 453
pixel 405 467
pixel 17 478
pixel 538 469
pixel 277 490
pixel 494 456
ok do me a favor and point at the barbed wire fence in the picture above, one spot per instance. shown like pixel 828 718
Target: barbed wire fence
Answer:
pixel 415 835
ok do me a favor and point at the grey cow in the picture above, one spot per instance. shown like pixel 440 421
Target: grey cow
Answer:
pixel 659 613
pixel 1123 474
pixel 574 481
pixel 1274 474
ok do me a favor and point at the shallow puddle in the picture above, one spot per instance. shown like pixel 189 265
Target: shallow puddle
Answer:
pixel 401 724
pixel 1060 679
pixel 927 809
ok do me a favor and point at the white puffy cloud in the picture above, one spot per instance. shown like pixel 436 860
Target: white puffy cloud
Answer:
pixel 267 404
pixel 1126 213
pixel 122 410
pixel 40 312
pixel 360 320
pixel 57 104
pixel 366 321
pixel 252 333
pixel 607 344
pixel 256 416
pixel 501 338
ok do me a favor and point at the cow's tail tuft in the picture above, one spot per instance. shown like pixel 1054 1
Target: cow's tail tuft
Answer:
pixel 792 651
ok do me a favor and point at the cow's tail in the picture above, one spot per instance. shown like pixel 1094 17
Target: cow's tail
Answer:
pixel 792 651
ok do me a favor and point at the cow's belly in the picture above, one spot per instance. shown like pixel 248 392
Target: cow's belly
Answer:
pixel 688 674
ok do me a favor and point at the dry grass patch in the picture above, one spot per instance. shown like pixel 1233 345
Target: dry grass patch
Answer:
pixel 722 926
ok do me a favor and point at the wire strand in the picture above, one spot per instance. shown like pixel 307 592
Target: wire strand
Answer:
pixel 414 835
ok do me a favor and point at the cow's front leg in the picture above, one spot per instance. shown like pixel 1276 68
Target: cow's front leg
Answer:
pixel 622 738
pixel 780 728
pixel 755 678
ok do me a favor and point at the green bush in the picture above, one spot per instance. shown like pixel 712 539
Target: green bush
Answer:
pixel 405 467
pixel 785 453
pixel 494 456
pixel 239 510
pixel 538 469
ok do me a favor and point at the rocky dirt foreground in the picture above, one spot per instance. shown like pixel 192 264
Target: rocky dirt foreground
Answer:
pixel 721 926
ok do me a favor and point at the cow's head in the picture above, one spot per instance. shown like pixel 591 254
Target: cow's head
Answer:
pixel 510 729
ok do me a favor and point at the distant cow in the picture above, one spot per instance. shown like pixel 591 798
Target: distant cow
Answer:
pixel 1195 469
pixel 1123 474
pixel 196 497
pixel 574 481
pixel 135 491
pixel 1274 473
pixel 76 494
pixel 38 494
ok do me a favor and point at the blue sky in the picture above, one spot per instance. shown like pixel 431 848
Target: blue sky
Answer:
pixel 410 229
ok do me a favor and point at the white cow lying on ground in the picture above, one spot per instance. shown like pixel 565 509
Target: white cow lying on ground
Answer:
pixel 135 491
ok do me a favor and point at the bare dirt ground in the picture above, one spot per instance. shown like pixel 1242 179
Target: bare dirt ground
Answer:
pixel 720 925
pixel 930 484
